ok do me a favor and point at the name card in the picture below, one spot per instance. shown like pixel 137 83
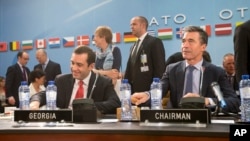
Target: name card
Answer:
pixel 64 115
pixel 176 116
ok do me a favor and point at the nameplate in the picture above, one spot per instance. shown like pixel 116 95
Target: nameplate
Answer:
pixel 176 116
pixel 62 115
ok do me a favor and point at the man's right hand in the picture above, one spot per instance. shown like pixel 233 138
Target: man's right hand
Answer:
pixel 34 105
pixel 139 98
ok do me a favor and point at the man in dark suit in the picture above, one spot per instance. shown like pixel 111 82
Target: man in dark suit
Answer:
pixel 194 43
pixel 146 59
pixel 14 75
pixel 229 67
pixel 51 68
pixel 242 50
pixel 95 86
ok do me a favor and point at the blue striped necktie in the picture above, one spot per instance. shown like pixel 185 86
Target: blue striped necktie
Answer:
pixel 189 80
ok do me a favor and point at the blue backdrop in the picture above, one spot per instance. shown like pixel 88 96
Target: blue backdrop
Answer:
pixel 43 19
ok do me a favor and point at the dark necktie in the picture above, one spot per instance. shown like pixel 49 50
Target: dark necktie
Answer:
pixel 135 50
pixel 80 91
pixel 24 74
pixel 189 80
pixel 230 79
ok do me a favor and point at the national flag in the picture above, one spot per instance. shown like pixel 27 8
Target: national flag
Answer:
pixel 207 28
pixel 3 46
pixel 238 23
pixel 82 40
pixel 223 29
pixel 27 44
pixel 54 42
pixel 14 45
pixel 179 33
pixel 68 41
pixel 151 32
pixel 129 37
pixel 165 33
pixel 116 38
pixel 40 43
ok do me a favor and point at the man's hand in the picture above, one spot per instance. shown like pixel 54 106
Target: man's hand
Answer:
pixel 11 100
pixel 34 105
pixel 139 98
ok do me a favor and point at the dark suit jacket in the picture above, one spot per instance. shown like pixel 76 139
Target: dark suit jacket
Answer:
pixel 14 77
pixel 52 70
pixel 104 95
pixel 154 49
pixel 173 80
pixel 242 50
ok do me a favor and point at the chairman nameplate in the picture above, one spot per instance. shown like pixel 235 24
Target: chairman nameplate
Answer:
pixel 176 116
pixel 64 115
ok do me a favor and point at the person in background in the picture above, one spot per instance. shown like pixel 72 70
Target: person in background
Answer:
pixel 242 50
pixel 2 94
pixel 51 68
pixel 175 57
pixel 176 77
pixel 108 58
pixel 37 80
pixel 146 59
pixel 14 75
pixel 82 83
pixel 229 67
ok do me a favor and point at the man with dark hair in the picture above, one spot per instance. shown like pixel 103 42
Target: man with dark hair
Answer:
pixel 14 75
pixel 193 76
pixel 94 86
pixel 146 59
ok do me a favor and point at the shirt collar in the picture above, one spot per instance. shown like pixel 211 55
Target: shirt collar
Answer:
pixel 197 65
pixel 85 80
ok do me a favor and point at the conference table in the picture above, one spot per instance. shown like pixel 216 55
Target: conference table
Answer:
pixel 109 128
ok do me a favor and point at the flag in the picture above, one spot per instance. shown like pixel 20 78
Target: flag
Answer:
pixel 27 44
pixel 207 28
pixel 40 43
pixel 223 29
pixel 3 46
pixel 165 33
pixel 116 38
pixel 54 42
pixel 238 23
pixel 179 33
pixel 82 40
pixel 68 41
pixel 151 32
pixel 14 45
pixel 129 37
pixel 93 42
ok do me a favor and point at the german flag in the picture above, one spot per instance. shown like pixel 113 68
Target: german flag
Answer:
pixel 129 37
pixel 14 45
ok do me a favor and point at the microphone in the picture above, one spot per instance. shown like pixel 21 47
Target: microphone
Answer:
pixel 216 89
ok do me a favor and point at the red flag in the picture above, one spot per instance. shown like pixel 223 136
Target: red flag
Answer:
pixel 223 29
pixel 82 40
pixel 3 46
pixel 40 43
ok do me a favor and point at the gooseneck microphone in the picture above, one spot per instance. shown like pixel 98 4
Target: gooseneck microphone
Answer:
pixel 216 89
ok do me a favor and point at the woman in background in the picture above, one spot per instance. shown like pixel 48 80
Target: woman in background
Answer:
pixel 2 92
pixel 37 79
pixel 108 58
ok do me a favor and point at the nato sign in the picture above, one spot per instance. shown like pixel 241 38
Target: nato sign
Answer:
pixel 240 132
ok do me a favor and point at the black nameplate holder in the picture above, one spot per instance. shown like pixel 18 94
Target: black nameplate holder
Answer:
pixel 168 117
pixel 61 115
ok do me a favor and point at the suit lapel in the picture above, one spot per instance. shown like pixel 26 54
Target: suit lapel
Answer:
pixel 91 83
pixel 180 77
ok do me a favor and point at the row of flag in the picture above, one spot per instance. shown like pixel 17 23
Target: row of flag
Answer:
pixel 163 33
